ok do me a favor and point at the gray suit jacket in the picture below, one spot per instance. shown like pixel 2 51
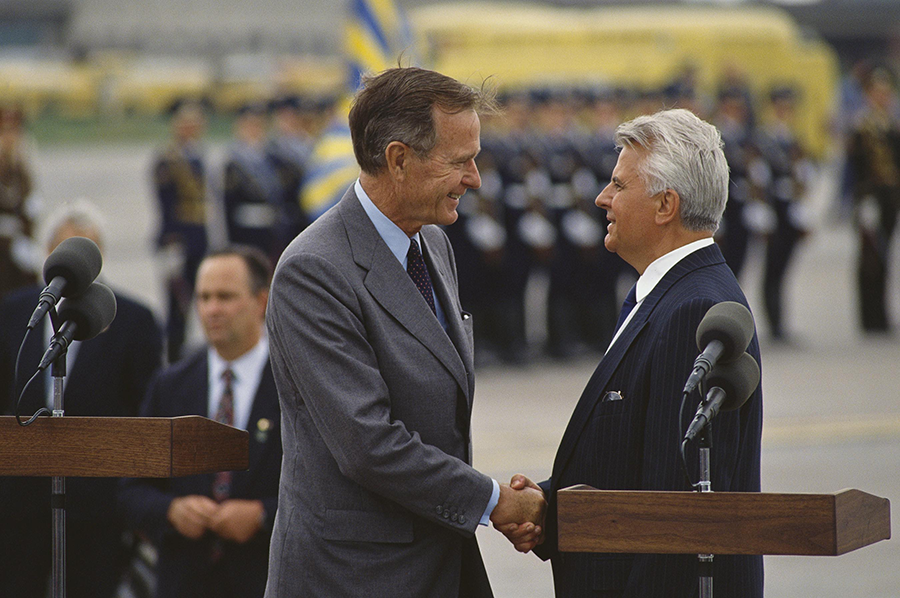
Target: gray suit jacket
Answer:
pixel 377 495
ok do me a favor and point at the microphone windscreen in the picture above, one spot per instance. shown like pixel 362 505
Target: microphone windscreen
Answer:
pixel 91 311
pixel 78 261
pixel 730 323
pixel 738 378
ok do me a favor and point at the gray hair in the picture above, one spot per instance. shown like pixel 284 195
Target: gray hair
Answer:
pixel 685 154
pixel 79 213
pixel 397 105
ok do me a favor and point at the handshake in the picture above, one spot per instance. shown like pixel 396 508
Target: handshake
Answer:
pixel 519 515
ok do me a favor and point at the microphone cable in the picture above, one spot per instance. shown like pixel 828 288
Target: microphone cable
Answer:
pixel 684 464
pixel 42 410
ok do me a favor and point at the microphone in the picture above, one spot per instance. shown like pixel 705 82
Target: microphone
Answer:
pixel 84 317
pixel 731 385
pixel 723 334
pixel 68 271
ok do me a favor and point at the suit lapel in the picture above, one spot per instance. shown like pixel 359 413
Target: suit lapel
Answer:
pixel 263 415
pixel 441 280
pixel 610 362
pixel 392 287
pixel 598 381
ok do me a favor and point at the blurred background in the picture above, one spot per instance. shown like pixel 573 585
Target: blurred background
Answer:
pixel 191 123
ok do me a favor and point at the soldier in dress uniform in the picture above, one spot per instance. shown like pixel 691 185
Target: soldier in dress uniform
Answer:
pixel 18 207
pixel 792 171
pixel 289 149
pixel 572 270
pixel 746 211
pixel 599 155
pixel 515 162
pixel 874 160
pixel 253 194
pixel 180 186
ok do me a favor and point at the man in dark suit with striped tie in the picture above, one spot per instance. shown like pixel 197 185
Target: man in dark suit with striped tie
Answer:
pixel 664 203
pixel 212 531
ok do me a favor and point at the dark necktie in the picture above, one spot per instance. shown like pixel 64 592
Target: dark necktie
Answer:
pixel 225 415
pixel 627 306
pixel 415 267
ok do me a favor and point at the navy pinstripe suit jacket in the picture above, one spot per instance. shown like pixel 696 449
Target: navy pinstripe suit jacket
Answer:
pixel 633 443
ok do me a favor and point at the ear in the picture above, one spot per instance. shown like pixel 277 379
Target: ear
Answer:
pixel 669 208
pixel 262 300
pixel 397 155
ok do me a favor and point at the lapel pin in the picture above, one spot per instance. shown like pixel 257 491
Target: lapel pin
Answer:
pixel 262 429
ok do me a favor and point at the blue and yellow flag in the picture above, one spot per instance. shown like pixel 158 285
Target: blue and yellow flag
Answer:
pixel 376 36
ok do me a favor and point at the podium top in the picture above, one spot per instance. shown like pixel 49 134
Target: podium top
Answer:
pixel 720 522
pixel 138 447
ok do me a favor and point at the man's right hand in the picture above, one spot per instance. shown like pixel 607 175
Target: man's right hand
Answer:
pixel 191 515
pixel 519 514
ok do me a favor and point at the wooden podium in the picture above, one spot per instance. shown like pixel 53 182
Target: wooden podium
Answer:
pixel 134 447
pixel 592 520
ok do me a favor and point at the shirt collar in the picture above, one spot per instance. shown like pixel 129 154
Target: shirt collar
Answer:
pixel 397 240
pixel 661 265
pixel 242 367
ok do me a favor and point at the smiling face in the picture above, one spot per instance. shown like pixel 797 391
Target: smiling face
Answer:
pixel 630 211
pixel 431 185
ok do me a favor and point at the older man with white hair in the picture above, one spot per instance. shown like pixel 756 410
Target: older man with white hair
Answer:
pixel 664 203
pixel 107 376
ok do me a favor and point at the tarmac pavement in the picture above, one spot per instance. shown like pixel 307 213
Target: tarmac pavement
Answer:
pixel 832 407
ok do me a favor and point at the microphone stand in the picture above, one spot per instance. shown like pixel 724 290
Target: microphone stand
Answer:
pixel 58 490
pixel 705 569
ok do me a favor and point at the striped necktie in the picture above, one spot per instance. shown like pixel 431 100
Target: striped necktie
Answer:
pixel 225 415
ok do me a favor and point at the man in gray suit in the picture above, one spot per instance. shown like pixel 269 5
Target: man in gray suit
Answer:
pixel 372 355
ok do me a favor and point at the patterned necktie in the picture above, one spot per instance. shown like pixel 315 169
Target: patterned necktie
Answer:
pixel 415 267
pixel 225 415
pixel 627 306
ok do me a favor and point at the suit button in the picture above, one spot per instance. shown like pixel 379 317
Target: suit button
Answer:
pixel 446 514
pixel 462 519
pixel 440 509
pixel 454 517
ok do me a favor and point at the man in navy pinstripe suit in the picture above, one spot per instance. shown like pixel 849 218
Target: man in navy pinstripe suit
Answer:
pixel 664 203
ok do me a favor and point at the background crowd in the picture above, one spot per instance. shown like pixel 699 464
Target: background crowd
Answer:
pixel 529 243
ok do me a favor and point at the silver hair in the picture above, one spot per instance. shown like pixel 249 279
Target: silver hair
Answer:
pixel 685 154
pixel 79 213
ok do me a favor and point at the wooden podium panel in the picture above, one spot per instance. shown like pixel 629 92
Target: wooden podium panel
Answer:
pixel 140 447
pixel 592 520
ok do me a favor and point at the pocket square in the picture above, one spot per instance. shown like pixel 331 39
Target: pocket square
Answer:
pixel 612 395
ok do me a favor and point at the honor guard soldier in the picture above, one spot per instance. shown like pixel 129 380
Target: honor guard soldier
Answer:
pixel 179 180
pixel 792 171
pixel 253 195
pixel 874 159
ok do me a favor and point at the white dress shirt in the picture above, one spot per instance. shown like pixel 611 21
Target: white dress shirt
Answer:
pixel 654 273
pixel 248 370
